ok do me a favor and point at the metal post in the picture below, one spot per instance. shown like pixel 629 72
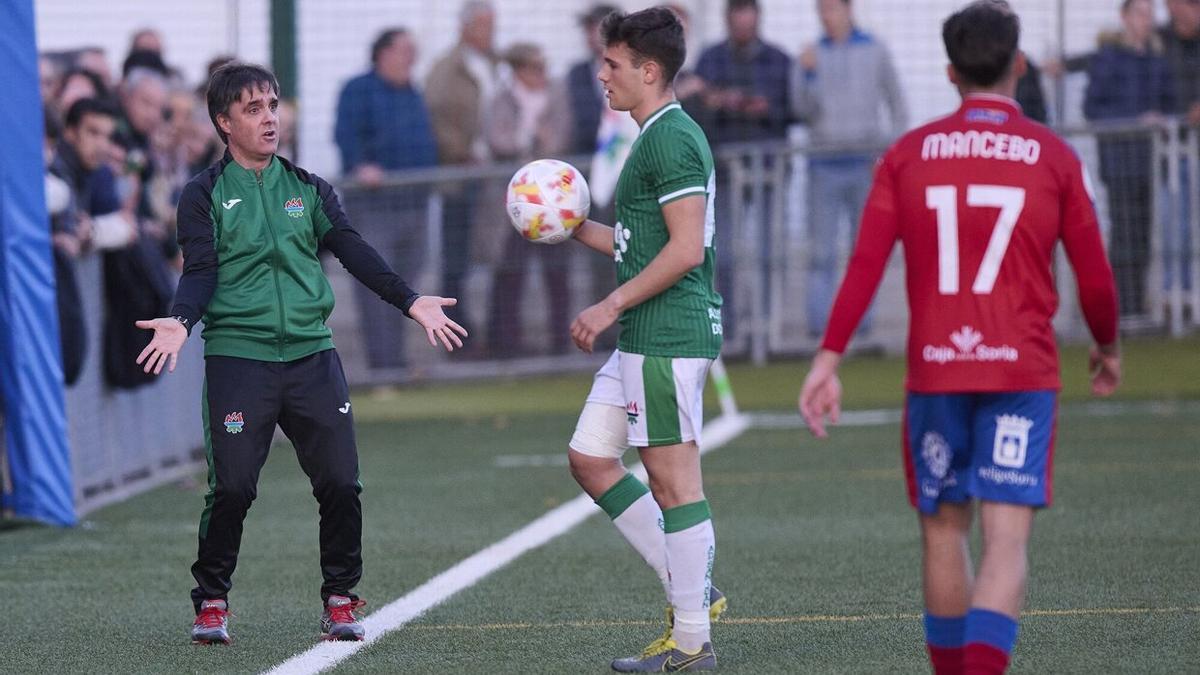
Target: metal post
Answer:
pixel 1163 177
pixel 1060 80
pixel 232 26
pixel 283 46
pixel 1173 219
pixel 1191 258
pixel 759 229
pixel 743 263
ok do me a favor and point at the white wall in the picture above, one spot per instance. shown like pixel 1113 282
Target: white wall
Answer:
pixel 334 38
pixel 193 32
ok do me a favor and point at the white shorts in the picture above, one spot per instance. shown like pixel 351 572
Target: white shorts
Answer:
pixel 662 398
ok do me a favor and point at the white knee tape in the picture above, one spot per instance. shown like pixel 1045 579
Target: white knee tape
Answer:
pixel 602 431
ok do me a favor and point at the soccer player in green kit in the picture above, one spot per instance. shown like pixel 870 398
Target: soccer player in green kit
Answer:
pixel 649 393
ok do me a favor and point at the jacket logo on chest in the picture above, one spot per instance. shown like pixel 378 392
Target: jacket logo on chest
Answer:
pixel 294 207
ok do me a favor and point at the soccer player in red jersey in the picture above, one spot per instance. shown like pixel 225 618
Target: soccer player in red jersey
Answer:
pixel 979 200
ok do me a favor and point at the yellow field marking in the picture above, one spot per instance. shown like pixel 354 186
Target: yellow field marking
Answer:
pixel 805 618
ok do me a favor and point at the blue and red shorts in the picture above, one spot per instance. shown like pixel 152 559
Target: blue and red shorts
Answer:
pixel 991 446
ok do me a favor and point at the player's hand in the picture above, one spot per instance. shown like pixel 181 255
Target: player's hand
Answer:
pixel 593 321
pixel 1105 366
pixel 169 336
pixel 821 394
pixel 427 311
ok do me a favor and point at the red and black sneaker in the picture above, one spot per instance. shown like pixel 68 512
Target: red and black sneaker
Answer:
pixel 212 624
pixel 338 622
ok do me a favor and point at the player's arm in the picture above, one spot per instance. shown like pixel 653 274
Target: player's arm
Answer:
pixel 596 236
pixel 195 233
pixel 1094 276
pixel 821 393
pixel 363 262
pixel 683 251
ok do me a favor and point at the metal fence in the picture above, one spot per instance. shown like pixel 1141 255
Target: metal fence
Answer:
pixel 445 229
pixel 779 264
pixel 126 440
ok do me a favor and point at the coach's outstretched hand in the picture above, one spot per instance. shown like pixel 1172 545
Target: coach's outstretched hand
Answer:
pixel 427 311
pixel 1104 363
pixel 169 336
pixel 821 394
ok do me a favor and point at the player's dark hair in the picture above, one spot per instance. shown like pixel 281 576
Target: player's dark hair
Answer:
pixel 981 41
pixel 385 40
pixel 87 106
pixel 227 83
pixel 653 34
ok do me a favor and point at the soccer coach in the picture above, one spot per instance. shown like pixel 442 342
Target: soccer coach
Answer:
pixel 249 227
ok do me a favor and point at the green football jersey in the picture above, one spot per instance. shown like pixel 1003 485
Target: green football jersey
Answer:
pixel 669 160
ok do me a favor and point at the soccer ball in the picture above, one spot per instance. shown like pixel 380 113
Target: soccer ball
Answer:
pixel 547 199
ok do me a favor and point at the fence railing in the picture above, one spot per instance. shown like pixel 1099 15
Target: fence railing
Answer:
pixel 446 231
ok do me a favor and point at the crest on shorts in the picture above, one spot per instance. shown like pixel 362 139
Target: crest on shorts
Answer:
pixel 1012 439
pixel 631 412
pixel 234 423
pixel 935 451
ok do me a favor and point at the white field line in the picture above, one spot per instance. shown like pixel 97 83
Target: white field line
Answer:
pixel 470 571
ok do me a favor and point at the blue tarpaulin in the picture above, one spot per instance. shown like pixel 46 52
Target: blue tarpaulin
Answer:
pixel 31 380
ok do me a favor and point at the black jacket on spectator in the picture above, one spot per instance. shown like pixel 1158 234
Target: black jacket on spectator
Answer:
pixel 72 320
pixel 1122 85
pixel 1030 95
pixel 136 287
pixel 1183 59
pixel 758 69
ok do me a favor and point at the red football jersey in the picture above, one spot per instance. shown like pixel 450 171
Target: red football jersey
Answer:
pixel 979 200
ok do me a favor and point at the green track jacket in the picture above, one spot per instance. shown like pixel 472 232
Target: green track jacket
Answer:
pixel 251 272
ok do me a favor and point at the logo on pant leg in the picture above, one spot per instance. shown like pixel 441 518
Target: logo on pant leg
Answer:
pixel 234 423
pixel 1012 440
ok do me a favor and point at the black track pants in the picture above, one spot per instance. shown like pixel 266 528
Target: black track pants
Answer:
pixel 243 401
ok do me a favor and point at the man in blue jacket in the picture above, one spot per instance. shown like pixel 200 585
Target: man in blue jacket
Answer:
pixel 382 127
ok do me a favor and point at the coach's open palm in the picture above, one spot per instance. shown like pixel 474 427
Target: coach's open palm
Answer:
pixel 427 311
pixel 169 336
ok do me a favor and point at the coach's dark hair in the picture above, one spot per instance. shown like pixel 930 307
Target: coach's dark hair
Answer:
pixel 87 106
pixel 734 5
pixel 385 40
pixel 981 41
pixel 227 83
pixel 653 34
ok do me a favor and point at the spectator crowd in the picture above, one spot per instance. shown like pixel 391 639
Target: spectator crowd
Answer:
pixel 120 146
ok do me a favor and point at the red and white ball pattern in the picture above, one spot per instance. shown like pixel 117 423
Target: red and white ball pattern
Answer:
pixel 547 199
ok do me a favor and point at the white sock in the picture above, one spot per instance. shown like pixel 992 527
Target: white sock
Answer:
pixel 690 553
pixel 639 519
pixel 641 525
